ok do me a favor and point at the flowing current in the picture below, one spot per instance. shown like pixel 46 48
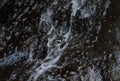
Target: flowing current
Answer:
pixel 54 40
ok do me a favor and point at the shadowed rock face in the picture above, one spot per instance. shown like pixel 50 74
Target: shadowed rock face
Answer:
pixel 54 40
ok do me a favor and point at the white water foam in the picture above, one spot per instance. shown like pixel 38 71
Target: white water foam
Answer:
pixel 76 5
pixel 54 51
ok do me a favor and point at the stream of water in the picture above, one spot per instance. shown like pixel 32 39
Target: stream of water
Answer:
pixel 57 40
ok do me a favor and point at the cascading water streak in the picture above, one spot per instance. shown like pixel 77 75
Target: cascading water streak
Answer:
pixel 56 37
pixel 56 40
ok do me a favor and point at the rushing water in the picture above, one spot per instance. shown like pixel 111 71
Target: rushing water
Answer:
pixel 59 40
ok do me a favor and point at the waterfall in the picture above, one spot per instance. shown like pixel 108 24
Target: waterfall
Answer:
pixel 58 37
pixel 54 40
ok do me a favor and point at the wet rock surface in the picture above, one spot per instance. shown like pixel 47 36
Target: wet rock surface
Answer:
pixel 54 40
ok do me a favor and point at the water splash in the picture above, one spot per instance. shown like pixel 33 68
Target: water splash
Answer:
pixel 56 38
pixel 59 22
